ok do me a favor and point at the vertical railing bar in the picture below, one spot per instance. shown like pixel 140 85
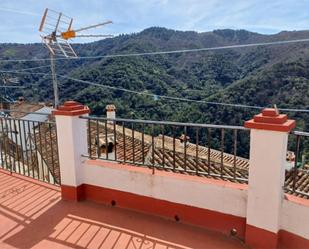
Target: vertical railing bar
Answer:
pixel 143 142
pixel 124 142
pixel 115 139
pixel 13 157
pixel 47 154
pixel 185 148
pixel 36 149
pixel 16 145
pixel 2 148
pixel 222 152
pixel 295 171
pixel 196 150
pixel 98 139
pixel 8 160
pixel 26 147
pixel 89 139
pixel 174 149
pixel 8 147
pixel 21 146
pixel 153 148
pixel 31 151
pixel 163 146
pixel 208 149
pixel 52 152
pixel 106 140
pixel 235 154
pixel 41 150
pixel 133 142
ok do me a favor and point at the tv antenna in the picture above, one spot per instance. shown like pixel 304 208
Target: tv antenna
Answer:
pixel 56 31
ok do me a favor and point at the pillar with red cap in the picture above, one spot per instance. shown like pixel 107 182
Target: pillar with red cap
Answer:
pixel 268 147
pixel 72 144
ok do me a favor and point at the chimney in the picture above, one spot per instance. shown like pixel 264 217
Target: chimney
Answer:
pixel 21 100
pixel 184 139
pixel 110 112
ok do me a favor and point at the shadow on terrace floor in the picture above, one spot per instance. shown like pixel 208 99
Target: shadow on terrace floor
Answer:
pixel 33 216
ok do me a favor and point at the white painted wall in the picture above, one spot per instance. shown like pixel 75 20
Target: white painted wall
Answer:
pixel 295 218
pixel 175 189
pixel 72 144
pixel 262 204
pixel 23 128
pixel 266 178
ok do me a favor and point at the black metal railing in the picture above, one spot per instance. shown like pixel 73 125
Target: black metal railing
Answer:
pixel 199 149
pixel 29 148
pixel 297 172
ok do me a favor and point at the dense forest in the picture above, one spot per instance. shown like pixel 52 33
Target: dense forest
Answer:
pixel 259 76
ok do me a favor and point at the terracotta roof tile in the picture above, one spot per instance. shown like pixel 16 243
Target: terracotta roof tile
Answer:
pixel 134 151
pixel 24 107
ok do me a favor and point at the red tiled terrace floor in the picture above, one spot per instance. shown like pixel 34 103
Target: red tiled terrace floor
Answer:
pixel 33 216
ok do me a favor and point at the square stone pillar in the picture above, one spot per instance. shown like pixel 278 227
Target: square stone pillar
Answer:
pixel 268 147
pixel 72 144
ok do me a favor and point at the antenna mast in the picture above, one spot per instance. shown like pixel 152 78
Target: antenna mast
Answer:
pixel 56 30
pixel 54 79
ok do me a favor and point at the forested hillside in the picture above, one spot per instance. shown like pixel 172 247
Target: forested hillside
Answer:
pixel 260 76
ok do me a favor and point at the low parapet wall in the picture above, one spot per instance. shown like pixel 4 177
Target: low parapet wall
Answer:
pixel 257 213
pixel 215 204
pixel 294 219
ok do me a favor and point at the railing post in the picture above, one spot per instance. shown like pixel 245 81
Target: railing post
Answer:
pixel 268 147
pixel 72 144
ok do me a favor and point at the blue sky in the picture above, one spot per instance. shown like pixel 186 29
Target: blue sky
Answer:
pixel 19 20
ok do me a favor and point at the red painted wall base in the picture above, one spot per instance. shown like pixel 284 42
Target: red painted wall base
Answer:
pixel 258 238
pixel 70 193
pixel 289 240
pixel 254 237
pixel 187 214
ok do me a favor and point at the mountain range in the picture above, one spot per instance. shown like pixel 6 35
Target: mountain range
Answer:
pixel 257 76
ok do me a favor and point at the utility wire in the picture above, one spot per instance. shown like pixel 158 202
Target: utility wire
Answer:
pixel 19 12
pixel 179 98
pixel 165 96
pixel 163 52
pixel 23 72
pixel 143 93
pixel 23 69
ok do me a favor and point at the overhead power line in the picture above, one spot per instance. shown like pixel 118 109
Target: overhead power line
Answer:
pixel 165 96
pixel 23 69
pixel 22 72
pixel 180 98
pixel 19 11
pixel 164 52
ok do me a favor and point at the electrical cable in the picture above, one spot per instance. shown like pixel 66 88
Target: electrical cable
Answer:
pixel 23 69
pixel 19 12
pixel 161 96
pixel 179 98
pixel 162 52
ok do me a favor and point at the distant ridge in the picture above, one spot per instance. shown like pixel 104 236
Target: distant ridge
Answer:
pixel 257 76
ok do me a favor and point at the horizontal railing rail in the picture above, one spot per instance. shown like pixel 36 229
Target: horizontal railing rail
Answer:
pixel 141 121
pixel 217 151
pixel 297 174
pixel 29 148
pixel 9 111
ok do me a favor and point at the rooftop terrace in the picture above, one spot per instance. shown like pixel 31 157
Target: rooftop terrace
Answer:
pixel 187 185
pixel 32 215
